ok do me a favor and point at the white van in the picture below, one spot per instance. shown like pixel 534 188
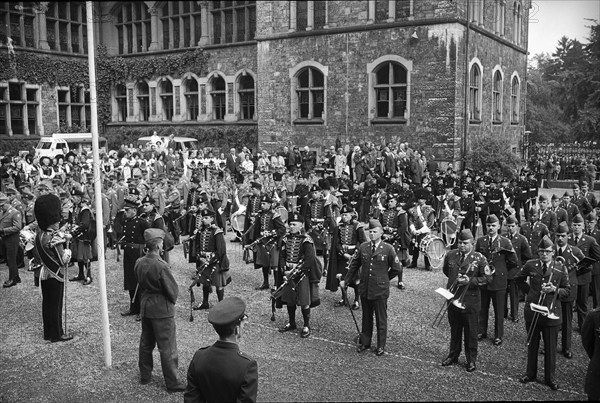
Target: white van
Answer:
pixel 62 143
pixel 177 144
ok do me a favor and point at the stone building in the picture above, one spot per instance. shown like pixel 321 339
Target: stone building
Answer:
pixel 301 72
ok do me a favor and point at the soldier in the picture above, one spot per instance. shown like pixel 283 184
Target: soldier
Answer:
pixel 396 232
pixel 591 249
pixel 501 256
pixel 84 234
pixel 319 221
pixel 570 255
pixel 580 201
pixel 547 280
pixel 156 220
pixel 585 192
pixel 421 219
pixel 481 205
pixel 210 256
pixel 347 236
pixel 532 190
pixel 571 209
pixel 495 201
pixel 133 247
pixel 523 250
pixel 592 230
pixel 591 343
pixel 467 210
pixel 11 223
pixel 469 270
pixel 521 192
pixel 298 261
pixel 561 213
pixel 547 216
pixel 267 233
pixel 534 230
pixel 252 210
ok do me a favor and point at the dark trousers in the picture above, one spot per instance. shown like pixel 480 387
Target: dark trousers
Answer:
pixel 512 292
pixel 159 332
pixel 379 308
pixel 9 246
pixel 497 298
pixel 52 303
pixel 518 204
pixel 134 304
pixel 463 323
pixel 415 252
pixel 581 302
pixel 566 328
pixel 550 335
pixel 595 290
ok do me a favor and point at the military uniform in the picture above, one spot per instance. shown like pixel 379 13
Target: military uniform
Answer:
pixel 266 252
pixel 346 239
pixel 133 248
pixel 495 201
pixel 421 220
pixel 534 234
pixel 590 248
pixel 590 338
pixel 11 222
pixel 481 206
pixel 523 251
pixel 467 213
pixel 521 196
pixel 548 218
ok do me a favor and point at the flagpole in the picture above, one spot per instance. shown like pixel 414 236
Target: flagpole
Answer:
pixel 98 186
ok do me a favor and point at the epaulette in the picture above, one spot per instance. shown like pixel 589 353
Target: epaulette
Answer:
pixel 308 238
pixel 241 354
pixel 217 230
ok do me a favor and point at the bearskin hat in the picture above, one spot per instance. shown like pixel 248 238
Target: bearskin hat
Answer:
pixel 47 210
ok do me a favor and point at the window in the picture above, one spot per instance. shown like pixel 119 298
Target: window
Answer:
pixel 191 98
pixel 517 22
pixel 181 24
pixel 391 84
pixel 19 108
pixel 218 98
pixel 403 8
pixel 133 27
pixel 382 10
pixel 143 101
pixel 16 22
pixel 475 94
pixel 74 107
pixel 166 96
pixel 121 98
pixel 65 26
pixel 310 92
pixel 233 21
pixel 476 11
pixel 310 15
pixel 499 17
pixel 515 90
pixel 497 97
pixel 246 96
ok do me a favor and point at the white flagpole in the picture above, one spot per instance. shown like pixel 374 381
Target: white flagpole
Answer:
pixel 98 186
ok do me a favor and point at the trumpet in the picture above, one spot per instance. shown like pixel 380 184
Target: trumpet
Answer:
pixel 540 308
pixel 450 295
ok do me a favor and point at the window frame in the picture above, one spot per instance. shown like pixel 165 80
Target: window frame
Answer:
pixel 214 94
pixel 295 113
pixel 372 70
pixel 66 23
pixel 83 105
pixel 497 95
pixel 475 101
pixel 247 8
pixel 175 21
pixel 166 96
pixel 128 44
pixel 515 99
pixel 187 95
pixel 240 92
pixel 23 103
pixel 121 102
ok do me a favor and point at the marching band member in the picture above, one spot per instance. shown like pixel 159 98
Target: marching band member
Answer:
pixel 481 205
pixel 532 192
pixel 590 338
pixel 375 265
pixel 469 270
pixel 561 213
pixel 520 201
pixel 84 233
pixel 396 232
pixel 571 255
pixel 156 220
pixel 547 216
pixel 298 255
pixel 534 230
pixel 523 252
pixel 347 237
pixel 421 219
pixel 319 220
pixel 11 222
pixel 210 256
pixel 502 259
pixel 50 251
pixel 133 248
pixel 467 210
pixel 591 249
pixel 495 200
pixel 591 229
pixel 548 285
pixel 268 231
pixel 572 209
pixel 252 210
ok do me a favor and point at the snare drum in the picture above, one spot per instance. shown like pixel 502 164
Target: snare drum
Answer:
pixel 434 248
pixel 27 238
pixel 448 228
pixel 237 222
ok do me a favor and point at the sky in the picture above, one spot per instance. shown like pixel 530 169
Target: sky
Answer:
pixel 549 20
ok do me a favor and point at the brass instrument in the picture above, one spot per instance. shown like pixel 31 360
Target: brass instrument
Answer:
pixel 540 308
pixel 450 295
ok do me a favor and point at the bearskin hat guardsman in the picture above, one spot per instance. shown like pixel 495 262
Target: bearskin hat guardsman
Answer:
pixel 51 252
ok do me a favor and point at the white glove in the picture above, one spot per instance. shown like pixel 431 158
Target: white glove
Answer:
pixel 66 257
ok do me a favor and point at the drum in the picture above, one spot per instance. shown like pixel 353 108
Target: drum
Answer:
pixel 283 213
pixel 448 228
pixel 27 238
pixel 237 222
pixel 434 248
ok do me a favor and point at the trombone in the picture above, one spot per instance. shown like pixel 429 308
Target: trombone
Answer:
pixel 540 308
pixel 450 295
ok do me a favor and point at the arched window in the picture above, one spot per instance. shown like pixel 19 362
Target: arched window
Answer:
pixel 475 94
pixel 246 96
pixel 133 27
pixel 217 94
pixel 497 97
pixel 391 83
pixel 166 96
pixel 310 90
pixel 515 91
pixel 121 98
pixel 181 24
pixel 191 98
pixel 143 96
pixel 66 26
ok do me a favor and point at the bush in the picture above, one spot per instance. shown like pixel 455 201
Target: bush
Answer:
pixel 494 154
pixel 14 146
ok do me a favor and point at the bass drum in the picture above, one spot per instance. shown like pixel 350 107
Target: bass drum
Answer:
pixel 434 248
pixel 448 228
pixel 237 223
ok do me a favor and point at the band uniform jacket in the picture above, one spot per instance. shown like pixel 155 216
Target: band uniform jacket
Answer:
pixel 319 222
pixel 376 270
pixel 495 201
pixel 548 218
pixel 534 234
pixel 467 210
pixel 475 266
pixel 450 207
pixel 481 201
pixel 582 204
pixel 158 288
pixel 534 270
pixel 267 251
pixel 590 248
pixel 595 233
pixel 572 255
pixel 299 249
pixel 11 222
pixel 500 256
pixel 210 239
pixel 395 227
pixel 133 247
pixel 347 237
pixel 590 338
pixel 522 250
pixel 532 191
pixel 252 210
pixel 421 216
pixel 221 373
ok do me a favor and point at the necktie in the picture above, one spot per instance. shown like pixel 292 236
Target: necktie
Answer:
pixel 576 240
pixel 544 268
pixel 462 259
pixel 373 248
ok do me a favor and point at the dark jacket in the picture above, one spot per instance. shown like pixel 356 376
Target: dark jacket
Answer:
pixel 221 373
pixel 501 256
pixel 590 338
pixel 476 268
pixel 158 288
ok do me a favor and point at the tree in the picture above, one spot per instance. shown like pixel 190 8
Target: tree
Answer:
pixel 489 152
